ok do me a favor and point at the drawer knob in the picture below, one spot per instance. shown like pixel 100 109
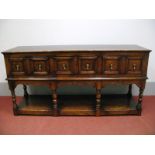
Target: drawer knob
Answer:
pixel 111 67
pixel 87 66
pixel 40 67
pixel 134 67
pixel 64 66
pixel 17 67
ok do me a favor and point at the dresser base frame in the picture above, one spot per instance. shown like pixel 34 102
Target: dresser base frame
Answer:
pixel 96 66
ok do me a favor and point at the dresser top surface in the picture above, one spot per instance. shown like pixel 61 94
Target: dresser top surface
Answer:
pixel 72 48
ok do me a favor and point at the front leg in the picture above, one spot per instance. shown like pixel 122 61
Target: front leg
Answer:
pixel 139 104
pixel 130 90
pixel 55 102
pixel 12 89
pixel 98 102
pixel 25 91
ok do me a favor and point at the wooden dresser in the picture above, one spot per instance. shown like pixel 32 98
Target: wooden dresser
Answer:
pixel 83 65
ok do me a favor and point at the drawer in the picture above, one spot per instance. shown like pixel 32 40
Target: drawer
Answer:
pixel 63 65
pixel 17 66
pixel 88 65
pixel 111 65
pixel 134 65
pixel 39 65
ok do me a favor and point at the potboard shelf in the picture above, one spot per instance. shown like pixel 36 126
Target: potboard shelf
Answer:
pixel 77 105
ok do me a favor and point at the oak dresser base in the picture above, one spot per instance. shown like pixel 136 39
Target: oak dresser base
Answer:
pixel 93 65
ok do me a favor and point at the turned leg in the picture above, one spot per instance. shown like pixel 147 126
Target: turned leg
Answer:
pixel 139 104
pixel 12 89
pixel 98 101
pixel 130 90
pixel 25 91
pixel 55 103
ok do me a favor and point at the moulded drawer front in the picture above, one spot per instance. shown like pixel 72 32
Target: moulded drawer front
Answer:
pixel 111 65
pixel 134 65
pixel 88 65
pixel 39 65
pixel 17 66
pixel 63 65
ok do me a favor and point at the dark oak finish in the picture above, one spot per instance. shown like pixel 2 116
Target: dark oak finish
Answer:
pixel 93 65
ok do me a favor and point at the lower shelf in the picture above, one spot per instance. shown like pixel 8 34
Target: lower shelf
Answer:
pixel 82 105
pixel 77 105
pixel 118 105
pixel 35 105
